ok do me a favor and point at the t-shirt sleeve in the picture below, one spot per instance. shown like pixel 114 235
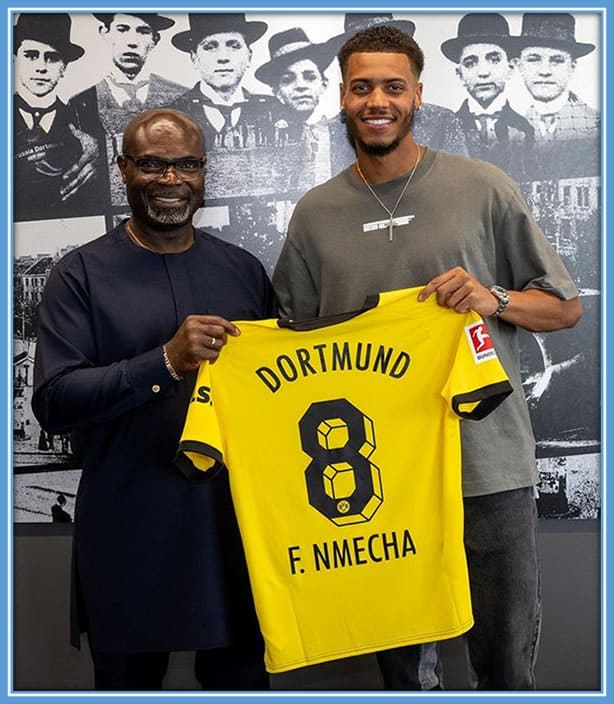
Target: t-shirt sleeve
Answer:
pixel 528 254
pixel 292 278
pixel 477 382
pixel 200 447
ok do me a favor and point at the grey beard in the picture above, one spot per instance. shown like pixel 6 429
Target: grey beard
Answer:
pixel 169 216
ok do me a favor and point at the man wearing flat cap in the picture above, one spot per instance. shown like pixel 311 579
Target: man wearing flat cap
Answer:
pixel 566 128
pixel 434 124
pixel 220 48
pixel 494 131
pixel 55 161
pixel 128 88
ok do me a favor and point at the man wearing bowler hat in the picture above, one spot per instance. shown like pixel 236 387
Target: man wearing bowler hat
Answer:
pixel 494 131
pixel 434 125
pixel 220 48
pixel 566 128
pixel 55 161
pixel 128 88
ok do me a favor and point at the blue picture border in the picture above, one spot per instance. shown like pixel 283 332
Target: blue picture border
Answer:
pixel 6 693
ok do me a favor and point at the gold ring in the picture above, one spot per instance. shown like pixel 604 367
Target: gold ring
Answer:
pixel 213 341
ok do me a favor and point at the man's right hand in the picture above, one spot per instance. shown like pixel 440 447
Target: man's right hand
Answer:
pixel 199 338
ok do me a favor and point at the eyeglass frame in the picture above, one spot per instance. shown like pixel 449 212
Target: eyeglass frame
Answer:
pixel 167 164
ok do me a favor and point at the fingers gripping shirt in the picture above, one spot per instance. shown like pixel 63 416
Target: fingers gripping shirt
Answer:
pixel 342 440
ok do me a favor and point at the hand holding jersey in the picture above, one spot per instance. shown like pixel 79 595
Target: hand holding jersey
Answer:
pixel 531 309
pixel 198 339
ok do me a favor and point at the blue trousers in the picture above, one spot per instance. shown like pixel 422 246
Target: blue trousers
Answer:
pixel 501 546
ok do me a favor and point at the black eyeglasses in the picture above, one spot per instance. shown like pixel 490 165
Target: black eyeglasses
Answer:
pixel 150 165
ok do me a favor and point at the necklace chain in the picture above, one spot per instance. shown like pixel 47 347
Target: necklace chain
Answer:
pixel 401 194
pixel 139 243
pixel 135 239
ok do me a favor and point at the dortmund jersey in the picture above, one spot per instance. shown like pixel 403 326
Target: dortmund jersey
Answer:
pixel 342 440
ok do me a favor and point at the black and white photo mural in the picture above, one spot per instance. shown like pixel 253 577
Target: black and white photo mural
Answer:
pixel 520 89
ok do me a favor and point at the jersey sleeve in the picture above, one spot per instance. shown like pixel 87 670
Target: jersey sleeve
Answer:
pixel 477 383
pixel 200 449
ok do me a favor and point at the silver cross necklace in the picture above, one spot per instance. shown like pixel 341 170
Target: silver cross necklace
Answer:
pixel 401 194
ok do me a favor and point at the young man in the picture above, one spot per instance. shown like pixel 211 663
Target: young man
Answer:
pixel 128 88
pixel 406 215
pixel 220 48
pixel 124 323
pixel 567 138
pixel 54 160
pixel 494 131
pixel 434 125
pixel 295 73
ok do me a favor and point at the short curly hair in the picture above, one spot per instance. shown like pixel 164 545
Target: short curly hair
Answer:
pixel 382 38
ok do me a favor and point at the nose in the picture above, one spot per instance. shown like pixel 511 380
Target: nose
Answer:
pixel 377 98
pixel 483 70
pixel 133 39
pixel 301 83
pixel 169 174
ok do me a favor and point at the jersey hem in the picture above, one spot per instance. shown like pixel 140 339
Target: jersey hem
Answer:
pixel 425 638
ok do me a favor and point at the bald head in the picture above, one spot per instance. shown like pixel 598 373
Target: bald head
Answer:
pixel 161 122
pixel 162 197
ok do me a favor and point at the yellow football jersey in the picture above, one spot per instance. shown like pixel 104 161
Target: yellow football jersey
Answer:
pixel 342 439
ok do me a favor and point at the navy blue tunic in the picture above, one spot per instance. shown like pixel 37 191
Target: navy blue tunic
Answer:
pixel 158 564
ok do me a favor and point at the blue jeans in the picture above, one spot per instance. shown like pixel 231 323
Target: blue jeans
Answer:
pixel 501 547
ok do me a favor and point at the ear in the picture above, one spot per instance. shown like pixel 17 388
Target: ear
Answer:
pixel 121 163
pixel 418 97
pixel 341 95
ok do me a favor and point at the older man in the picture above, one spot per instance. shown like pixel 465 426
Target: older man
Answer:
pixel 54 160
pixel 124 323
pixel 495 132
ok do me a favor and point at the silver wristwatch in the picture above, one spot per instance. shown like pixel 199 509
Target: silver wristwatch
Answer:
pixel 502 296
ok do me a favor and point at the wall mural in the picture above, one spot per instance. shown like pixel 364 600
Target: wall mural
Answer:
pixel 267 99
